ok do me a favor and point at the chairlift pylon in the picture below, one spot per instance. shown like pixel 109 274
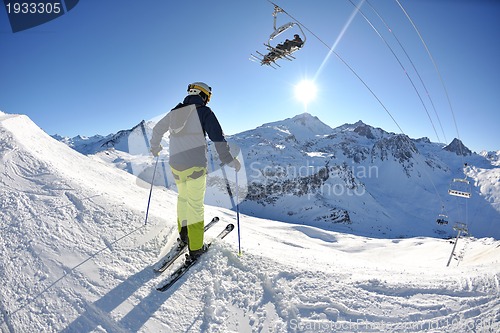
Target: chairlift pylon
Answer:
pixel 460 226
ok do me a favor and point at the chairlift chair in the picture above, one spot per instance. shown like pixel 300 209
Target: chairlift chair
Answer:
pixel 460 187
pixel 442 219
pixel 276 53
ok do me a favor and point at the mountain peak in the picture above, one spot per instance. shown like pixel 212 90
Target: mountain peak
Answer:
pixel 364 130
pixel 301 126
pixel 457 147
pixel 305 117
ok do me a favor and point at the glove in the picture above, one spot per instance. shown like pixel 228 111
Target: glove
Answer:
pixel 235 164
pixel 156 150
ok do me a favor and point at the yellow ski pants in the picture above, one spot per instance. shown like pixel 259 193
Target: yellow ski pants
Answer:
pixel 191 186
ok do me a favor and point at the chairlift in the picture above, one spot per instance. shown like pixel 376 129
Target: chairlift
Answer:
pixel 442 217
pixel 283 50
pixel 460 187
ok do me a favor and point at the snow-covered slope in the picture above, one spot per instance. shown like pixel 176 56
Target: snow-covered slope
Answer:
pixel 76 257
pixel 364 180
pixel 354 178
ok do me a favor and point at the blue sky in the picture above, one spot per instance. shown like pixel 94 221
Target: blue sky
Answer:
pixel 105 66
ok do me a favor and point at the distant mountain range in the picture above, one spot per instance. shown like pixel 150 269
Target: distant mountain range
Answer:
pixel 353 178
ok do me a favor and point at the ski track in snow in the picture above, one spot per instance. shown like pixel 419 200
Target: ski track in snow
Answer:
pixel 77 257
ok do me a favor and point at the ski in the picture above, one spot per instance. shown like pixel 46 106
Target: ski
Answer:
pixel 176 252
pixel 179 272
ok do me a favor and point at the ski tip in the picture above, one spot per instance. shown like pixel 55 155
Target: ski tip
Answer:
pixel 216 219
pixel 230 227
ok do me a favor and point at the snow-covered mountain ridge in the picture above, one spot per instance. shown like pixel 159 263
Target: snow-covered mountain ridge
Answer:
pixel 76 257
pixel 97 143
pixel 352 178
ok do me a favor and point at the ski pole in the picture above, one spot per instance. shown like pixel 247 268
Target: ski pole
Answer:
pixel 228 187
pixel 151 189
pixel 238 214
pixel 236 206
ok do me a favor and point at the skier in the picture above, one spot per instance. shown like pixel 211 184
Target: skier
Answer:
pixel 188 160
pixel 288 44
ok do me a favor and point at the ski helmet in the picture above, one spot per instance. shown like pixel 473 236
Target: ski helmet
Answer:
pixel 200 88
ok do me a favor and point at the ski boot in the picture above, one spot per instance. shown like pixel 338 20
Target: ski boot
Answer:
pixel 194 255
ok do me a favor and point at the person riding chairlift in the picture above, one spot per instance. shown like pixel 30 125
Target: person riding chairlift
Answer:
pixel 288 44
pixel 285 47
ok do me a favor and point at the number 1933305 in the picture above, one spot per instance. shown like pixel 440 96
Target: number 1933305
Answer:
pixel 33 7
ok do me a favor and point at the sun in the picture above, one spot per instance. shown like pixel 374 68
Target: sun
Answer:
pixel 305 91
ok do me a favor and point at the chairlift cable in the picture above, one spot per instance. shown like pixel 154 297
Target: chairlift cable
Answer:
pixel 437 70
pixel 400 64
pixel 446 93
pixel 347 65
pixel 362 81
pixel 371 91
pixel 414 87
pixel 412 64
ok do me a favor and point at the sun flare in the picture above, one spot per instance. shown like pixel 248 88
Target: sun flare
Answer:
pixel 305 91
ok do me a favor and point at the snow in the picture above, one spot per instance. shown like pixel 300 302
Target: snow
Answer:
pixel 76 257
pixel 378 184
